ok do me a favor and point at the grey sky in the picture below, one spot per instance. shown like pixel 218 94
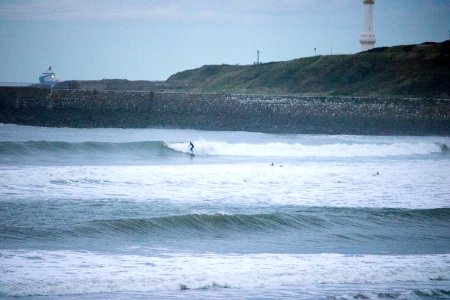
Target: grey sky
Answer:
pixel 154 39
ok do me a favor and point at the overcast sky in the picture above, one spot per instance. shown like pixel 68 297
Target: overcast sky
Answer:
pixel 153 39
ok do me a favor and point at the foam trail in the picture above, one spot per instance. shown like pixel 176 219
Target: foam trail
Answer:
pixel 423 184
pixel 299 150
pixel 75 272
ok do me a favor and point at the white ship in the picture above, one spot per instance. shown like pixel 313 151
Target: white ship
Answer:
pixel 48 77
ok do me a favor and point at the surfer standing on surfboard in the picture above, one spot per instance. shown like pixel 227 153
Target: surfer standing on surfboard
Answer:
pixel 191 147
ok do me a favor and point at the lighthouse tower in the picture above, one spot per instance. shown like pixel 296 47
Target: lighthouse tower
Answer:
pixel 367 39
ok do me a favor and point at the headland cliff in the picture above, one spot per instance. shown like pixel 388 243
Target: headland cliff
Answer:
pixel 397 90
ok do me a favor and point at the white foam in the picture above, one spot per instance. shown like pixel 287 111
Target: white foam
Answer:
pixel 70 272
pixel 339 150
pixel 399 184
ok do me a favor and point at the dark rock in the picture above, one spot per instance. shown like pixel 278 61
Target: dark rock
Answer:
pixel 265 113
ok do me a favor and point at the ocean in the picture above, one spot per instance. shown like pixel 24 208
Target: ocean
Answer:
pixel 132 213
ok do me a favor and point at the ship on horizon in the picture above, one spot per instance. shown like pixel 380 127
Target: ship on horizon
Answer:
pixel 48 78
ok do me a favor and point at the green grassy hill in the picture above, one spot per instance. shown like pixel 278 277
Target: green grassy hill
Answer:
pixel 414 70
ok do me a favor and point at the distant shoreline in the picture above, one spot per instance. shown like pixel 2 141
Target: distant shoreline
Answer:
pixel 404 71
pixel 15 84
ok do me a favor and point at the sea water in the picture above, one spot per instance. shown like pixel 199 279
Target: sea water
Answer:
pixel 132 213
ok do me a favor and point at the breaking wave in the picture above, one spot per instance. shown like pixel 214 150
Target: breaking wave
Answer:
pixel 46 151
pixel 302 220
pixel 309 220
pixel 303 150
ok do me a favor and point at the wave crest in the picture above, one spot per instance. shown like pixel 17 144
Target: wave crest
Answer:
pixel 216 148
pixel 336 223
pixel 312 219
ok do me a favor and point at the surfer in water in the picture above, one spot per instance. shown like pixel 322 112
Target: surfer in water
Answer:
pixel 191 147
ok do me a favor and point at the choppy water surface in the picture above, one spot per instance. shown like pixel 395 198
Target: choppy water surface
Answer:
pixel 131 213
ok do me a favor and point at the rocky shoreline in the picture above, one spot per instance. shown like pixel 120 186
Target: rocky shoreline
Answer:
pixel 216 111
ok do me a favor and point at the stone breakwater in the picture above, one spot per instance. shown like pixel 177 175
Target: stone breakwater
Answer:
pixel 284 114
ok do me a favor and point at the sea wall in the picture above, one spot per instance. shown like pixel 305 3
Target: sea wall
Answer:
pixel 284 114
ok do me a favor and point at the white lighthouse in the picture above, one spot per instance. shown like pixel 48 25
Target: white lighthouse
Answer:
pixel 367 39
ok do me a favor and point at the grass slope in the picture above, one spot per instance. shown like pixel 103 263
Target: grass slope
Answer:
pixel 414 70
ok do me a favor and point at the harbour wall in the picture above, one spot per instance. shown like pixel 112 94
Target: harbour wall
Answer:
pixel 264 113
